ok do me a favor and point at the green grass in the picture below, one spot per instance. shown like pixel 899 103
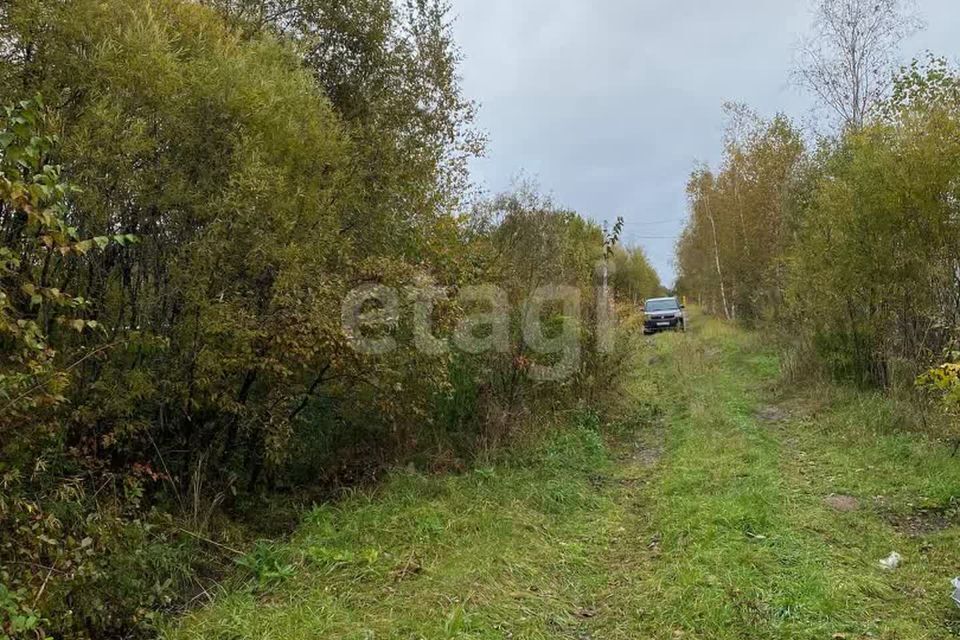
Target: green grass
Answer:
pixel 494 552
pixel 694 518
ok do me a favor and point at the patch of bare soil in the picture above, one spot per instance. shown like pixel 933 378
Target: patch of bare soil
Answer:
pixel 642 456
pixel 649 457
pixel 925 521
pixel 772 414
pixel 649 449
pixel 842 503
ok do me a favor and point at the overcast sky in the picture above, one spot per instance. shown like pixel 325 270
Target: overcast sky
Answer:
pixel 608 104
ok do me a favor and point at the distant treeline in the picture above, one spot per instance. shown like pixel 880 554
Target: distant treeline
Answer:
pixel 189 192
pixel 849 241
pixel 851 244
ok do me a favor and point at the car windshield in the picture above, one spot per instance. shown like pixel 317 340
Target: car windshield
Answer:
pixel 661 305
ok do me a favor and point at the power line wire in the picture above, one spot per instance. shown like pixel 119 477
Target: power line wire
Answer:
pixel 640 224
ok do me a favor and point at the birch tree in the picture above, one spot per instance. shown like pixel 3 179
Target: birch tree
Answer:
pixel 847 61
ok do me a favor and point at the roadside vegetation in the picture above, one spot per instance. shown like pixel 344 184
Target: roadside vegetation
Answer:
pixel 189 193
pixel 845 242
pixel 711 503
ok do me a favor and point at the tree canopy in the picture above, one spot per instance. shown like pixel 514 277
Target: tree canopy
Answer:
pixel 185 212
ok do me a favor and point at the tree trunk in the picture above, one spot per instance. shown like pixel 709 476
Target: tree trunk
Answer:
pixel 716 255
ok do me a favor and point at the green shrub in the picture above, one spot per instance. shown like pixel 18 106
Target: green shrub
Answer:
pixel 172 270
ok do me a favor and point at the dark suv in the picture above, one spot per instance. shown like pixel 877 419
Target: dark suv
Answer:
pixel 663 314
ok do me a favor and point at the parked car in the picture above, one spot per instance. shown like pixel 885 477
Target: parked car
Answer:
pixel 664 314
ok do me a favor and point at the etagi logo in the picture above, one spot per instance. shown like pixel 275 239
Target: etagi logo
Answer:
pixel 551 323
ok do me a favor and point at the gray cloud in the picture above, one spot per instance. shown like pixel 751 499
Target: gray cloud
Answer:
pixel 608 104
